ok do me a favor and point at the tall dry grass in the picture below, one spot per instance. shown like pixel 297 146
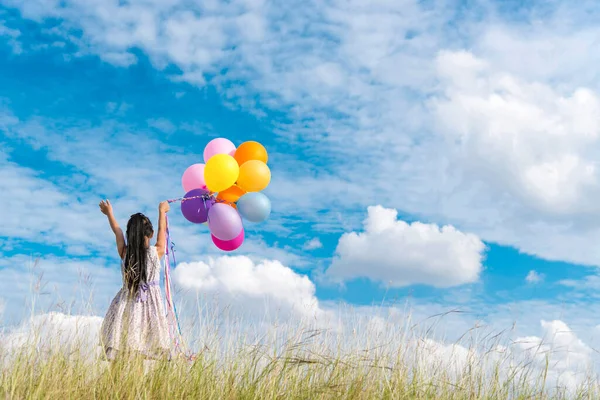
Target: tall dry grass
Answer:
pixel 286 360
pixel 283 364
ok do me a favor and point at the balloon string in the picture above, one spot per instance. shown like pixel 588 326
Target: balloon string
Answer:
pixel 182 199
pixel 203 197
pixel 175 328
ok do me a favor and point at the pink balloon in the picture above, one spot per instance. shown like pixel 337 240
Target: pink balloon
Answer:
pixel 193 178
pixel 229 245
pixel 218 146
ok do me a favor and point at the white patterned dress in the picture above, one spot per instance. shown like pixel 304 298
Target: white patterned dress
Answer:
pixel 138 323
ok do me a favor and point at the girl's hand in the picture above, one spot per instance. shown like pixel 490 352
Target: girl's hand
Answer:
pixel 164 207
pixel 106 207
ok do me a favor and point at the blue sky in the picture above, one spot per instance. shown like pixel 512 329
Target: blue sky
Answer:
pixel 428 113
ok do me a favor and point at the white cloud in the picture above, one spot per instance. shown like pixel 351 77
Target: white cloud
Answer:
pixel 558 354
pixel 534 277
pixel 251 289
pixel 40 210
pixel 313 244
pixel 78 285
pixel 448 162
pixel 48 333
pixel 571 360
pixel 522 153
pixel 391 250
pixel 12 36
pixel 524 138
pixel 589 283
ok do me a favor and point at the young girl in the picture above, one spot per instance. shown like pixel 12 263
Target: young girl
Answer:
pixel 135 321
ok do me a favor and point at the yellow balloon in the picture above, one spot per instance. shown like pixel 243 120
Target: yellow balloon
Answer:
pixel 254 176
pixel 221 171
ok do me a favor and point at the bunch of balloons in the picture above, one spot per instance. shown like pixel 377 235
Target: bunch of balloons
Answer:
pixel 226 188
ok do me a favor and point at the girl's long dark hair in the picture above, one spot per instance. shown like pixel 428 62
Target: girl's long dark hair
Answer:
pixel 139 228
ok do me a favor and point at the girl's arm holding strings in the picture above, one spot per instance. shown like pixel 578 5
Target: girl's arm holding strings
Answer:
pixel 107 210
pixel 161 237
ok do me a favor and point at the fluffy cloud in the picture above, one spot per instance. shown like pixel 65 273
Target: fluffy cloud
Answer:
pixel 73 285
pixel 391 250
pixel 491 147
pixel 251 289
pixel 523 152
pixel 526 138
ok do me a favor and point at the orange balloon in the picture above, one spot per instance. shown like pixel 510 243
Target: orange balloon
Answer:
pixel 231 194
pixel 254 176
pixel 250 151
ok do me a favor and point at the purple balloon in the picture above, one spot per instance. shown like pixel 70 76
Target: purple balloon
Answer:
pixel 224 222
pixel 196 210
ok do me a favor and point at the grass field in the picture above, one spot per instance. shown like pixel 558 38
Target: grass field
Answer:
pixel 346 355
pixel 290 362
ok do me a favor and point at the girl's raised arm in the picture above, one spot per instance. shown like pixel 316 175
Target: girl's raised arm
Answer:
pixel 161 237
pixel 107 210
